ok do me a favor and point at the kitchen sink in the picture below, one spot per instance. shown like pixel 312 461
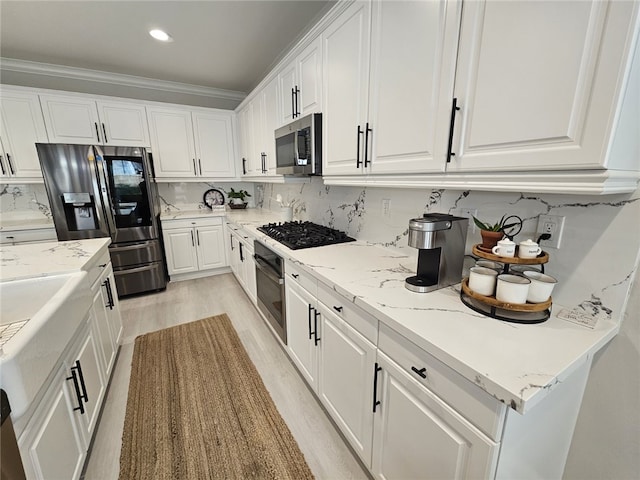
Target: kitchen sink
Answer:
pixel 38 318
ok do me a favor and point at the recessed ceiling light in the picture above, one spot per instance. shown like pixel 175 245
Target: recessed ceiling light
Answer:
pixel 160 35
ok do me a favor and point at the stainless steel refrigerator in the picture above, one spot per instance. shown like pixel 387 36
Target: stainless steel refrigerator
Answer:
pixel 103 191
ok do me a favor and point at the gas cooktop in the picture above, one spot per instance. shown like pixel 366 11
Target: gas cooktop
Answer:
pixel 297 235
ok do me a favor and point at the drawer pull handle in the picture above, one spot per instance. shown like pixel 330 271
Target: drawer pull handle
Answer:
pixel 337 309
pixel 295 275
pixel 420 372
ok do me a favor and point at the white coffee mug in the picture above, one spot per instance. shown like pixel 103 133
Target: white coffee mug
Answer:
pixel 512 288
pixel 482 280
pixel 541 286
pixel 498 267
pixel 529 249
pixel 504 248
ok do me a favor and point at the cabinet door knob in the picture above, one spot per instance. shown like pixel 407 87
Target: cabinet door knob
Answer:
pixel 420 372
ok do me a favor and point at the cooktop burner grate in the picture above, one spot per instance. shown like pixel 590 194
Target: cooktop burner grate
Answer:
pixel 297 235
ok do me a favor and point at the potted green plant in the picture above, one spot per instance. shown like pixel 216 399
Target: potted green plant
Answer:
pixel 492 233
pixel 236 199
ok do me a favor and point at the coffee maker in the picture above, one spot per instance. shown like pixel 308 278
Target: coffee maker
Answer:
pixel 440 239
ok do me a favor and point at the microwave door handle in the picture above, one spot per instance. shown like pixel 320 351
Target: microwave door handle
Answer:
pixel 295 149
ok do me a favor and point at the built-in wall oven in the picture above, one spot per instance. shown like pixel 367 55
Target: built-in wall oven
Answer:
pixel 270 288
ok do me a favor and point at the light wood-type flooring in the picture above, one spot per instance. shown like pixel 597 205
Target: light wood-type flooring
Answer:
pixel 323 448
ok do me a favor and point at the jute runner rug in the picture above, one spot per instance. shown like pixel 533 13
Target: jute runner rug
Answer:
pixel 197 409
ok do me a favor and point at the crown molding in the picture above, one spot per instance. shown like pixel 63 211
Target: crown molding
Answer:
pixel 75 73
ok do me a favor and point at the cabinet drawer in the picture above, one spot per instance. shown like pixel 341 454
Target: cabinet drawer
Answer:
pixel 357 318
pixel 191 222
pixel 98 269
pixel 482 410
pixel 12 237
pixel 295 274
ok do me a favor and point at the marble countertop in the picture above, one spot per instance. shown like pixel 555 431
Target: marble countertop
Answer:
pixel 515 363
pixel 49 258
pixel 200 213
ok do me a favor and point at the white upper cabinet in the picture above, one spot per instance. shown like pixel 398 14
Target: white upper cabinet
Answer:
pixel 247 120
pixel 21 127
pixel 191 144
pixel 345 45
pixel 270 124
pixel 213 133
pixel 389 114
pixel 123 124
pixel 539 85
pixel 300 84
pixel 257 122
pixel 413 58
pixel 71 119
pixel 172 142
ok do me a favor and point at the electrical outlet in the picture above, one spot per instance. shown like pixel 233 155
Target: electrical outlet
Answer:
pixel 386 207
pixel 552 225
pixel 470 213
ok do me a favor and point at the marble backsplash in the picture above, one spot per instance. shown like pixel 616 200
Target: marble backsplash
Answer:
pixel 595 265
pixel 176 197
pixel 24 203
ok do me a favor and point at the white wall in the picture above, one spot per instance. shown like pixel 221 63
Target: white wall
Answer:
pixel 606 441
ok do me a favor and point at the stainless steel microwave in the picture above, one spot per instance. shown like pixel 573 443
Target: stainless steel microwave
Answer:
pixel 299 146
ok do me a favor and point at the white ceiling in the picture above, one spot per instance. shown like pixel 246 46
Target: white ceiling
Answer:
pixel 218 44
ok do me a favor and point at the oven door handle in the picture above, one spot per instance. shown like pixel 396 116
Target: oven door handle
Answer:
pixel 268 271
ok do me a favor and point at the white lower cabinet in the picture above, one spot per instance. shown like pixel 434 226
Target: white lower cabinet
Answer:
pixel 59 426
pixel 108 319
pixel 195 247
pixel 52 446
pixel 303 336
pixel 55 441
pixel 418 435
pixel 334 358
pixel 397 425
pixel 241 260
pixel 345 372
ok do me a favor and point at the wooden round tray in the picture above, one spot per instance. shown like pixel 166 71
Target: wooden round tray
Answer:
pixel 514 307
pixel 479 251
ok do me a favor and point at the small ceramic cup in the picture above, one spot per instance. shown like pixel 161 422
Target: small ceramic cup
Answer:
pixel 504 248
pixel 482 280
pixel 529 249
pixel 498 267
pixel 541 286
pixel 512 288
pixel 286 213
pixel 520 269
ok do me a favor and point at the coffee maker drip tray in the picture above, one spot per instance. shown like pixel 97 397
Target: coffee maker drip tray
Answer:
pixel 428 271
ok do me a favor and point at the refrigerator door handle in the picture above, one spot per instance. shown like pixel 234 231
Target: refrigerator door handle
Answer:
pixel 104 192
